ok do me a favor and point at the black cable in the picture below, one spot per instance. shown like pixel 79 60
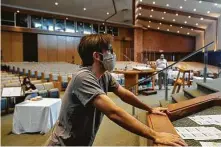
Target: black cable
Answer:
pixel 184 58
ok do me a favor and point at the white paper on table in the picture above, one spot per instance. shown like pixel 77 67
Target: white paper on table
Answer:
pixel 213 144
pixel 199 133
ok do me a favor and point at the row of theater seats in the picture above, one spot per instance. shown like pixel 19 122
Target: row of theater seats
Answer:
pixel 58 72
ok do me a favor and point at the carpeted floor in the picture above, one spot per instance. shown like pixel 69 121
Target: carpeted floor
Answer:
pixel 109 134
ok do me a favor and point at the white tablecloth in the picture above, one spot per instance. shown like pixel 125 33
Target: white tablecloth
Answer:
pixel 36 116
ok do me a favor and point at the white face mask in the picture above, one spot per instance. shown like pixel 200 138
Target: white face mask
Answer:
pixel 109 61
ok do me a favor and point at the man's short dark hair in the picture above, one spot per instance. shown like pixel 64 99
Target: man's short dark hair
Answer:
pixel 93 43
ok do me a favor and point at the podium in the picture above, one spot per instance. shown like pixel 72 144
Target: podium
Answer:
pixel 132 76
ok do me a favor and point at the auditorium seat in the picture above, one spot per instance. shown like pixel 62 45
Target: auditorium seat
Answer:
pixel 3 103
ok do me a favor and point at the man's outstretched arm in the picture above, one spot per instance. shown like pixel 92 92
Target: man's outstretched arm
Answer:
pixel 128 97
pixel 125 120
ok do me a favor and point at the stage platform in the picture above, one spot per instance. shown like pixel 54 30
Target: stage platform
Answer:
pixel 213 85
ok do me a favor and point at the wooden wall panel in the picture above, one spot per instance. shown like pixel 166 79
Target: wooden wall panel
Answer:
pixel 167 42
pixel 117 47
pixel 77 59
pixel 17 47
pixel 6 47
pixel 61 48
pixel 42 48
pixel 69 49
pixel 52 48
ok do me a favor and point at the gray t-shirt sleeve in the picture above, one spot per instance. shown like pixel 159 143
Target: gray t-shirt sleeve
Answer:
pixel 86 87
pixel 113 84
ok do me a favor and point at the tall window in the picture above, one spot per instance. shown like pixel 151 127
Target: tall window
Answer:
pixel 7 18
pixel 70 26
pixel 102 29
pixel 59 25
pixel 80 27
pixel 95 29
pixel 36 22
pixel 109 30
pixel 87 28
pixel 48 24
pixel 21 20
pixel 115 31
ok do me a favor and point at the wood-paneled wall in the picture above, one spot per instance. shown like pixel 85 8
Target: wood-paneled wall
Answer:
pixel 52 48
pixel 57 48
pixel 168 42
pixel 12 46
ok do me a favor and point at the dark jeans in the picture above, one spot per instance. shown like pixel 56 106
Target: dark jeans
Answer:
pixel 161 79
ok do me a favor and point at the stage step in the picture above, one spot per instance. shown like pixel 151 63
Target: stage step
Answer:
pixel 164 103
pixel 179 97
pixel 210 86
pixel 194 92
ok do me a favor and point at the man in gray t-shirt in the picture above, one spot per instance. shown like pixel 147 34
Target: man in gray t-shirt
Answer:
pixel 85 100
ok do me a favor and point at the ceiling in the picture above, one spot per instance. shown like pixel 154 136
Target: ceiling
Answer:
pixel 95 9
pixel 187 17
pixel 161 17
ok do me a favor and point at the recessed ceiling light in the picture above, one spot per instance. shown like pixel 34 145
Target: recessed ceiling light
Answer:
pixel 148 26
pixel 66 18
pixel 84 9
pixel 192 29
pixel 208 12
pixel 181 7
pixel 168 30
pixel 181 27
pixel 139 14
pixel 188 33
pixel 56 3
pixel 160 23
pixel 189 16
pixel 174 20
pixel 164 12
pixel 197 24
pixel 151 16
pixel 140 0
pixel 153 2
pixel 185 21
pixel 140 8
pixel 18 11
pixel 177 14
pixel 201 18
pixel 194 9
pixel 162 17
pixel 178 31
pixel 152 10
pixel 167 5
pixel 215 4
pixel 108 13
pixel 171 25
pixel 200 2
pixel 158 28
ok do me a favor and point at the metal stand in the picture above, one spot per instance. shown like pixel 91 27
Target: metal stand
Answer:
pixel 166 86
pixel 205 62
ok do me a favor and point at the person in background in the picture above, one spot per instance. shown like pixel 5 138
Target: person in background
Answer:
pixel 85 100
pixel 161 64
pixel 27 85
pixel 29 89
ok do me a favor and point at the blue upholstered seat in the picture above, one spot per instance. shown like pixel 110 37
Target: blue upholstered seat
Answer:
pixel 3 103
pixel 64 85
pixel 53 93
